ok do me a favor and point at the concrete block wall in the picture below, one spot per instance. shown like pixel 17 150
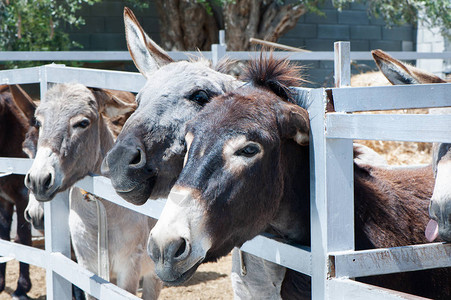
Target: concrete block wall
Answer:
pixel 318 33
pixel 430 40
pixel 104 30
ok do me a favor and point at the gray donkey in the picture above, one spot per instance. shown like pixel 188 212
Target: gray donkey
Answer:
pixel 147 157
pixel 74 136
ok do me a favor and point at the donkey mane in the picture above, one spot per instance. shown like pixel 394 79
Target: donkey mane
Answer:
pixel 277 75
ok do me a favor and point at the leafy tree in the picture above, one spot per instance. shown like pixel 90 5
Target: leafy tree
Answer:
pixel 191 24
pixel 38 25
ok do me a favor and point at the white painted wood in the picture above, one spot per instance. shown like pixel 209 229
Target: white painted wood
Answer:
pixel 340 194
pixel 297 258
pixel 342 64
pixel 86 55
pixel 57 239
pixel 392 97
pixel 20 76
pixel 391 127
pixel 318 194
pixel 101 186
pixel 29 255
pixel 15 165
pixel 117 80
pixel 218 51
pixel 391 260
pixel 86 280
pixel 346 289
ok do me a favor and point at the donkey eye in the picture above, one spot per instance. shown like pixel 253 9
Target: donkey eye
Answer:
pixel 201 97
pixel 82 124
pixel 36 123
pixel 248 151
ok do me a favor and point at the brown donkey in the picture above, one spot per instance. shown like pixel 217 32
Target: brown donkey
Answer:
pixel 15 109
pixel 247 171
pixel 440 205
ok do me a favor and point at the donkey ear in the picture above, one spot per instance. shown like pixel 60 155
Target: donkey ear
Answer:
pixel 23 101
pixel 146 54
pixel 294 123
pixel 112 104
pixel 399 73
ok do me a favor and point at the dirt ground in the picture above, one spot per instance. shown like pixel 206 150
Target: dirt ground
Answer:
pixel 211 281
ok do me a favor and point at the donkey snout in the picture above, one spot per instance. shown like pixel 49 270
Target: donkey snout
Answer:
pixel 174 250
pixel 41 183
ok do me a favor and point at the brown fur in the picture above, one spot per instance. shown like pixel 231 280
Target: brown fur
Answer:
pixel 13 125
pixel 273 193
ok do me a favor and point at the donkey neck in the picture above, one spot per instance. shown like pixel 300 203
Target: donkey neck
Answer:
pixel 292 220
pixel 16 125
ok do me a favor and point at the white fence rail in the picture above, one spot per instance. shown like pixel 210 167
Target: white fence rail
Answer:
pixel 217 50
pixel 331 261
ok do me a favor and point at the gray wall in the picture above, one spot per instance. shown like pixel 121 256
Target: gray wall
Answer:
pixel 318 33
pixel 104 30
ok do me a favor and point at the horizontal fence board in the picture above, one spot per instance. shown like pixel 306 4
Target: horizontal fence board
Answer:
pixel 177 55
pixel 26 254
pixel 117 80
pixel 15 165
pixel 391 260
pixel 101 186
pixel 344 289
pixel 350 99
pixel 87 55
pixel 20 76
pixel 86 280
pixel 294 257
pixel 392 127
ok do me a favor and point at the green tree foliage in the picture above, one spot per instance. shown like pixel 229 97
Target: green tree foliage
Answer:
pixel 434 13
pixel 38 25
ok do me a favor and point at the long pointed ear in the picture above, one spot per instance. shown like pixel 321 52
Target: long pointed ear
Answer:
pixel 112 104
pixel 400 73
pixel 294 123
pixel 146 54
pixel 23 101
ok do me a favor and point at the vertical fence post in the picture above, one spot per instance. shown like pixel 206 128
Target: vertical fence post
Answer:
pixel 56 226
pixel 218 51
pixel 342 64
pixel 331 186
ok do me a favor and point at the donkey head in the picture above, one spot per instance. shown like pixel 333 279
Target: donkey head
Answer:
pixel 16 108
pixel 232 184
pixel 73 137
pixel 440 205
pixel 148 154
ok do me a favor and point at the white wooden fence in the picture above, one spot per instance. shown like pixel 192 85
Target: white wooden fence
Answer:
pixel 331 261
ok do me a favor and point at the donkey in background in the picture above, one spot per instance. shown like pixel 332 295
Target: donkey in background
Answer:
pixel 74 136
pixel 440 206
pixel 16 107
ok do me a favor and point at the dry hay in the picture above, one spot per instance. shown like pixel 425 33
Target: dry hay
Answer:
pixel 395 152
pixel 401 153
pixel 211 281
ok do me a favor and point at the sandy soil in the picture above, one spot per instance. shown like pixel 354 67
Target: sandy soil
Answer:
pixel 211 281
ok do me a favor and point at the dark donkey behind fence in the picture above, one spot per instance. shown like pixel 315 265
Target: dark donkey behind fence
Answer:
pixel 399 73
pixel 15 109
pixel 247 171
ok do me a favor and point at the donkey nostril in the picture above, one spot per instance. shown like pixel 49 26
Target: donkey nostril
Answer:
pixel 48 181
pixel 27 216
pixel 27 181
pixel 136 159
pixel 181 249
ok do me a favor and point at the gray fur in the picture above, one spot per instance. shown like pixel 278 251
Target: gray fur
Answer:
pixel 76 153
